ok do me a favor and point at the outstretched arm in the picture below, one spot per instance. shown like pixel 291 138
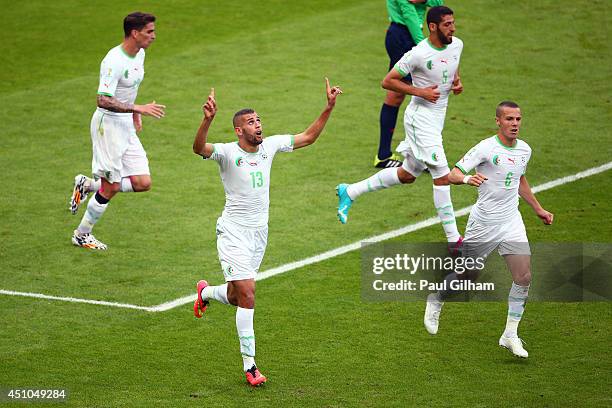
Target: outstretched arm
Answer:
pixel 210 110
pixel 527 195
pixel 310 135
pixel 394 82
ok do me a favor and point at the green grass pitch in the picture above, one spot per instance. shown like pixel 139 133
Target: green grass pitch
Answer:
pixel 318 342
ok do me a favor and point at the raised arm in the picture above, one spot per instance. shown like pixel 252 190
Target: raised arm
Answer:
pixel 310 135
pixel 393 81
pixel 527 195
pixel 200 146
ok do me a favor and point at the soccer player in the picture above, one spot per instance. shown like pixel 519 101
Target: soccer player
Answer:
pixel 119 160
pixel 404 32
pixel 242 229
pixel 495 221
pixel 434 66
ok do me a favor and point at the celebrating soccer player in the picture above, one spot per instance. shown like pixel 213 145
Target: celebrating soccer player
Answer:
pixel 495 221
pixel 434 66
pixel 119 161
pixel 242 229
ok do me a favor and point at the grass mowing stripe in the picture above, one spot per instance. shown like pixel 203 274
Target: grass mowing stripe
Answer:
pixel 316 258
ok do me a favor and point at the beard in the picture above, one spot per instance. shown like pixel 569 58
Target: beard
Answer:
pixel 255 139
pixel 443 39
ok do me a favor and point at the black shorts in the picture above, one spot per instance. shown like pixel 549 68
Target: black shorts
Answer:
pixel 398 41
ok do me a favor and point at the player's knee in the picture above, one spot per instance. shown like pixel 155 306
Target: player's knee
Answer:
pixel 146 185
pixel 141 184
pixel 527 278
pixel 246 299
pixel 524 278
pixel 404 176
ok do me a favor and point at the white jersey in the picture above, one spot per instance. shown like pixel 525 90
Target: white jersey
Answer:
pixel 120 76
pixel 503 166
pixel 432 66
pixel 246 179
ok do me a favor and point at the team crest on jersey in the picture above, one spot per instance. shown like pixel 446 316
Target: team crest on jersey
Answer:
pixel 495 160
pixel 228 270
pixel 126 74
pixel 239 162
pixel 429 65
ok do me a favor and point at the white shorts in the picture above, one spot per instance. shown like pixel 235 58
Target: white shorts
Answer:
pixel 422 147
pixel 240 249
pixel 510 238
pixel 415 166
pixel 117 151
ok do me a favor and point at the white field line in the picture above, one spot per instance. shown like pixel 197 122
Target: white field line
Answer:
pixel 316 258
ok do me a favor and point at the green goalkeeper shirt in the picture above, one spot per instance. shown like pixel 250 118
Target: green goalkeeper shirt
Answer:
pixel 411 15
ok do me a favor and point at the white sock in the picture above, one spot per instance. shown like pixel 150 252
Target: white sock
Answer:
pixel 516 306
pixel 92 215
pixel 93 184
pixel 126 185
pixel 219 293
pixel 246 336
pixel 444 207
pixel 383 179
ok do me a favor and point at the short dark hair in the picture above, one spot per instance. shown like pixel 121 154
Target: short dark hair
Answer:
pixel 136 21
pixel 241 112
pixel 505 104
pixel 435 14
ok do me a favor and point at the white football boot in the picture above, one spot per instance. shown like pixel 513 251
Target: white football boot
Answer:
pixel 432 313
pixel 515 345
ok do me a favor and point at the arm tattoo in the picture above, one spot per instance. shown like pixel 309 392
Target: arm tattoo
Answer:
pixel 113 105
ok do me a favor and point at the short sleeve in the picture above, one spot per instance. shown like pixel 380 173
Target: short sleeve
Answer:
pixel 527 162
pixel 407 63
pixel 280 143
pixel 472 158
pixel 109 77
pixel 219 153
